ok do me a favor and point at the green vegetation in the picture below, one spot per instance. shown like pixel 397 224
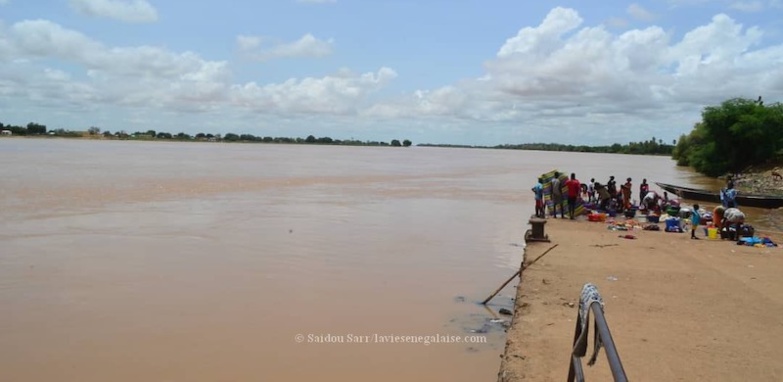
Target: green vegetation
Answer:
pixel 31 129
pixel 733 136
pixel 34 129
pixel 651 147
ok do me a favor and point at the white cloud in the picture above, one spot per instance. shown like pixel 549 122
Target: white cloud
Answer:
pixel 45 39
pixel 640 13
pixel 748 6
pixel 248 42
pixel 307 46
pixel 132 11
pixel 152 77
pixel 739 5
pixel 559 80
pixel 141 75
pixel 561 74
pixel 545 37
pixel 335 94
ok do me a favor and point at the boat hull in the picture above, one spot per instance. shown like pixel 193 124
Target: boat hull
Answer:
pixel 743 200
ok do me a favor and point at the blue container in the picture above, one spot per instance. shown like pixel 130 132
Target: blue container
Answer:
pixel 672 223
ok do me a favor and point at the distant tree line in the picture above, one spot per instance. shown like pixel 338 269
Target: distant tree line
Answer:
pixel 733 136
pixel 95 132
pixel 32 128
pixel 650 147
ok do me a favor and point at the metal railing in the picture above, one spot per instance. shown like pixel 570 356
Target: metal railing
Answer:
pixel 591 301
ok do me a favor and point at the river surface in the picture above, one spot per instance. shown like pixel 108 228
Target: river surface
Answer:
pixel 164 261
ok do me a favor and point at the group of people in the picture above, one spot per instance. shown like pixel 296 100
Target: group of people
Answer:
pixel 726 218
pixel 652 202
pixel 606 196
pixel 728 221
pixel 572 193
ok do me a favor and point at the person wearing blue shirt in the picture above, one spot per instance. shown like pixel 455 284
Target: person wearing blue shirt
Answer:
pixel 538 192
pixel 728 197
pixel 695 221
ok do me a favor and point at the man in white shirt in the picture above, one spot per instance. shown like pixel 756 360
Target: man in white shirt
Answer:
pixel 591 190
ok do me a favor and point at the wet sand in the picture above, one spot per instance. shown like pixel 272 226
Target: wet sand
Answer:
pixel 678 309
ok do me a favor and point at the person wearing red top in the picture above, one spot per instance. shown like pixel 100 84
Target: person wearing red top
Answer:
pixel 574 187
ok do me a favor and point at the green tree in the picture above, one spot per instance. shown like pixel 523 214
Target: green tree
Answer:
pixel 310 139
pixel 93 130
pixel 396 143
pixel 407 143
pixel 732 136
pixel 680 152
pixel 35 128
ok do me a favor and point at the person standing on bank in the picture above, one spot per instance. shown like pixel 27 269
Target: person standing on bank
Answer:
pixel 644 188
pixel 728 197
pixel 627 190
pixel 591 191
pixel 695 221
pixel 611 186
pixel 538 192
pixel 557 196
pixel 574 187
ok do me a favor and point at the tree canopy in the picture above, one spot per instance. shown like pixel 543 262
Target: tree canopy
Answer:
pixel 33 128
pixel 650 147
pixel 733 136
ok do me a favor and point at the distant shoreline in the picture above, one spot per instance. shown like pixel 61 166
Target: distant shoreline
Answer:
pixel 326 141
pixel 217 139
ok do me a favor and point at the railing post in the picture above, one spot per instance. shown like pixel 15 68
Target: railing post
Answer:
pixel 590 300
pixel 611 350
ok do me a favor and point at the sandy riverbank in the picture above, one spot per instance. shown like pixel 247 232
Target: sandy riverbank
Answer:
pixel 678 309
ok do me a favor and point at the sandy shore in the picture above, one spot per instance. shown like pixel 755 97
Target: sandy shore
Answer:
pixel 678 309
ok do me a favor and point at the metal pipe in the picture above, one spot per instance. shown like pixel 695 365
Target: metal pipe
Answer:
pixel 606 337
pixel 576 373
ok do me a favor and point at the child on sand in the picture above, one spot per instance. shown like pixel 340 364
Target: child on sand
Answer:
pixel 695 220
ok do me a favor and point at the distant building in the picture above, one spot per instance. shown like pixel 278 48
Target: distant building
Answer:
pixel 5 132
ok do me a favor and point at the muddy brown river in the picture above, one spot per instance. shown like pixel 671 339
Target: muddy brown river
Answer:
pixel 186 262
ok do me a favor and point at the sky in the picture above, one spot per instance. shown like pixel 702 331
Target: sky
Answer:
pixel 433 71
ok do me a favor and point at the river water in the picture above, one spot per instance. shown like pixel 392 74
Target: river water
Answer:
pixel 158 261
